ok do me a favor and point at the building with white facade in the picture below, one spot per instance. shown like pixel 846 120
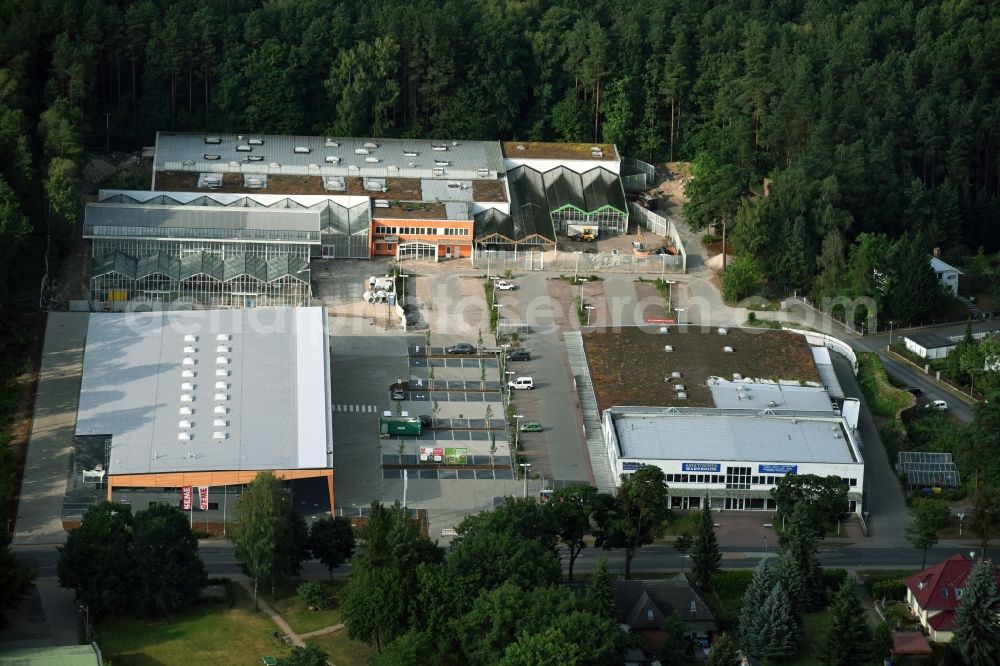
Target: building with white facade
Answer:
pixel 946 274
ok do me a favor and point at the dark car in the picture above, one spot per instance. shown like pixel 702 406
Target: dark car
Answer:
pixel 915 391
pixel 519 355
pixel 425 420
pixel 460 348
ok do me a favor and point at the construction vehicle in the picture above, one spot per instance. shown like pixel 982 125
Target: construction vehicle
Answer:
pixel 581 232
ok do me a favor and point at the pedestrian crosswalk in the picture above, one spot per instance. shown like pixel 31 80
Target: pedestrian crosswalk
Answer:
pixel 339 407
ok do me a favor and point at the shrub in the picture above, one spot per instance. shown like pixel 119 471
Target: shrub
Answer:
pixel 883 398
pixel 890 590
pixel 314 594
pixel 834 578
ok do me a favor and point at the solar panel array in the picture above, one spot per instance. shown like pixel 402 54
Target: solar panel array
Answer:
pixel 925 468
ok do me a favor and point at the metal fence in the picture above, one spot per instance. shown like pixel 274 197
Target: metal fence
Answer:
pixel 662 226
pixel 637 175
pixel 580 263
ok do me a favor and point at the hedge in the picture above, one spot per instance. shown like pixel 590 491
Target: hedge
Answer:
pixel 883 398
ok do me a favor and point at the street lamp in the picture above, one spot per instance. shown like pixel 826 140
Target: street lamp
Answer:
pixel 576 267
pixel 526 466
pixel 890 333
pixel 517 429
pixel 404 276
pixel 961 519
pixel 670 293
pixel 679 311
pixel 588 308
pixel 86 626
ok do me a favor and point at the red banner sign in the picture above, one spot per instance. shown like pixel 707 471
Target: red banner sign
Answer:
pixel 651 320
pixel 203 498
pixel 186 498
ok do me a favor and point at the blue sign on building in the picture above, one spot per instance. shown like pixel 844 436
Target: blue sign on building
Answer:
pixel 630 466
pixel 701 467
pixel 777 469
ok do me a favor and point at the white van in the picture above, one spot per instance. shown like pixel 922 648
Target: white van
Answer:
pixel 522 383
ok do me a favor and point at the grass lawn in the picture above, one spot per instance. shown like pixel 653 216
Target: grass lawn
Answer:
pixel 341 650
pixel 304 620
pixel 204 634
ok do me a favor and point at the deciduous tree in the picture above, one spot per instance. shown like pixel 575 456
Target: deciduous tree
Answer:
pixel 572 506
pixel 95 562
pixel 169 573
pixel 930 516
pixel 634 516
pixel 331 541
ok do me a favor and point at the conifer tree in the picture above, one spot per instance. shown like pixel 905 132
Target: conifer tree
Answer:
pixel 799 542
pixel 977 638
pixel 753 602
pixel 778 631
pixel 599 598
pixel 705 555
pixel 724 652
pixel 847 639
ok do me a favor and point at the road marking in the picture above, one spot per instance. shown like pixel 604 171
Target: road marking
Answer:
pixel 339 407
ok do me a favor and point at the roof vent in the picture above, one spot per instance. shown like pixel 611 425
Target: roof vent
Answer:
pixel 679 387
pixel 371 146
pixel 275 165
pixel 371 160
pixel 186 397
pixel 190 338
pixel 187 386
pixel 331 143
pixel 223 349
pixel 219 435
pixel 521 146
pixel 410 153
pixel 221 385
pixel 222 337
pixel 668 348
pixel 332 159
pixel 220 423
pixel 183 437
pixel 212 157
pixel 675 375
pixel 302 150
pixel 221 409
pixel 190 350
pixel 222 396
pixel 185 411
pixel 187 374
pixel 664 330
pixel 255 158
pixel 737 376
pixel 255 142
pixel 723 331
pixel 213 140
pixel 728 350
pixel 439 147
pixel 184 423
pixel 381 203
pixel 361 151
pixel 243 148
pixel 222 360
pixel 221 372
pixel 441 163
pixel 393 168
pixel 313 166
pixel 681 395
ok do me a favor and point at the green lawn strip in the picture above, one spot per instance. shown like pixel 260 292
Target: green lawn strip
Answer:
pixel 205 633
pixel 341 650
pixel 300 618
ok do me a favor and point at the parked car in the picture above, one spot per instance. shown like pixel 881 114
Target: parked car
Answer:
pixel 460 348
pixel 939 405
pixel 531 426
pixel 503 285
pixel 519 355
pixel 425 420
pixel 522 383
pixel 397 393
pixel 915 391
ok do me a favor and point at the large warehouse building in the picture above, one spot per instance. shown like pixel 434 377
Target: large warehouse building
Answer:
pixel 725 414
pixel 205 398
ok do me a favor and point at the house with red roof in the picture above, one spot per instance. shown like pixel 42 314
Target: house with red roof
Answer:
pixel 934 593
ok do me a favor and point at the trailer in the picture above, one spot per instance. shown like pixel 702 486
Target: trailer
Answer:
pixel 399 426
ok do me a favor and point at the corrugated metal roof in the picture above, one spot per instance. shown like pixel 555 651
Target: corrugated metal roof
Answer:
pixel 65 655
pixel 445 190
pixel 766 395
pixel 677 434
pixel 131 389
pixel 200 217
pixel 313 155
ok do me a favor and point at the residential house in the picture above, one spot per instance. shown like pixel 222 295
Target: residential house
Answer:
pixel 643 605
pixel 934 593
pixel 947 275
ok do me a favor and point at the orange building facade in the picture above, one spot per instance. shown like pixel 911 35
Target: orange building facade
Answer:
pixel 421 231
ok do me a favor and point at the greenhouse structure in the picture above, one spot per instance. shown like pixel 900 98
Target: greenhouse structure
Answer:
pixel 166 257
